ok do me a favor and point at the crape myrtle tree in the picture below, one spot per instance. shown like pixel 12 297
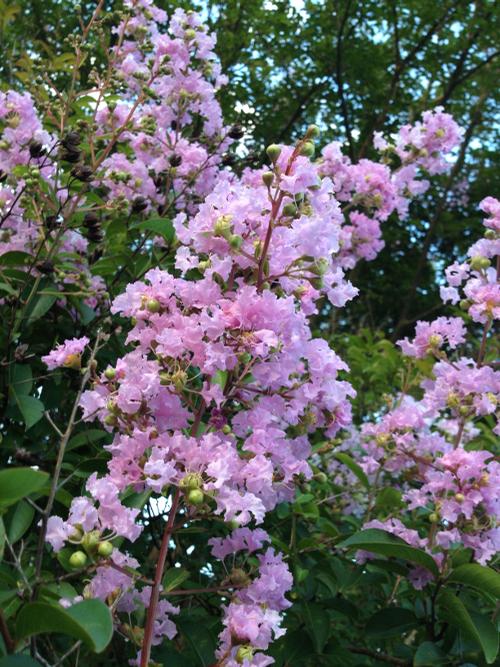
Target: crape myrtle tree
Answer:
pixel 184 480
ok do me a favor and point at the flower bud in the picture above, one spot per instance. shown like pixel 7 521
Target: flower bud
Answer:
pixel 313 132
pixel 190 481
pixel 320 477
pixel 268 178
pixel 195 497
pixel 289 210
pixel 479 262
pixel 273 152
pixel 235 241
pixel 110 373
pixel 433 517
pixel 490 234
pixel 226 429
pixel 190 34
pixel 465 304
pixel 91 540
pixel 459 497
pixel 78 560
pixel 153 305
pixel 307 149
pixel 105 549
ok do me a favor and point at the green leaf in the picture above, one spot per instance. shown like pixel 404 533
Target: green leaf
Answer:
pixel 22 379
pixel 41 305
pixel 19 519
pixel 476 627
pixel 89 621
pixel 87 437
pixel 2 538
pixel 31 409
pixel 174 578
pixel 353 467
pixel 380 542
pixel 18 661
pixel 220 378
pixel 317 623
pixel 428 655
pixel 162 226
pixel 388 499
pixel 390 622
pixel 483 578
pixel 15 258
pixel 17 483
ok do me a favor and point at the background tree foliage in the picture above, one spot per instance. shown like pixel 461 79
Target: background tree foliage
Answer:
pixel 353 67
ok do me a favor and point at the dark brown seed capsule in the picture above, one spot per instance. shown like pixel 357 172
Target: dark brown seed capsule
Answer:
pixel 51 222
pixel 236 132
pixel 139 204
pixel 70 155
pixel 82 173
pixel 36 148
pixel 71 140
pixel 228 160
pixel 175 160
pixel 45 267
pixel 91 219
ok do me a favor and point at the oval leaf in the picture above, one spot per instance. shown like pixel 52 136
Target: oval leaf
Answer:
pixel 476 627
pixel 18 661
pixel 483 578
pixel 353 467
pixel 390 622
pixel 17 483
pixel 89 621
pixel 380 542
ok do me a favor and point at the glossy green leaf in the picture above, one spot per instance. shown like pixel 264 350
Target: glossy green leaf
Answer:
pixel 19 519
pixel 483 578
pixel 18 661
pixel 317 623
pixel 428 655
pixel 390 622
pixel 174 578
pixel 2 538
pixel 17 483
pixel 380 542
pixel 89 621
pixel 476 627
pixel 353 467
pixel 162 226
pixel 31 409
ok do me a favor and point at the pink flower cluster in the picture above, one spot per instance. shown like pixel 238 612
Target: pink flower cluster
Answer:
pixel 426 447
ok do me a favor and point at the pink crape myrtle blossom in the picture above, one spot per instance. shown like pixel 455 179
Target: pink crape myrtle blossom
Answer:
pixel 426 447
pixel 66 354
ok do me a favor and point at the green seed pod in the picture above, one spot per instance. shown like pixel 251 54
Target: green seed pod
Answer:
pixel 235 241
pixel 273 152
pixel 289 210
pixel 307 149
pixel 153 305
pixel 313 132
pixel 190 481
pixel 433 517
pixel 226 429
pixel 105 549
pixel 78 560
pixel 479 262
pixel 195 497
pixel 268 178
